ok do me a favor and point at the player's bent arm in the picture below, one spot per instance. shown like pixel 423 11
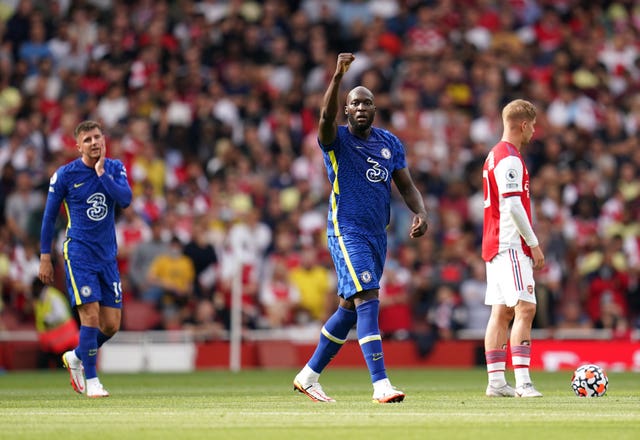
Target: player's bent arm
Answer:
pixel 521 220
pixel 413 200
pixel 118 188
pixel 408 191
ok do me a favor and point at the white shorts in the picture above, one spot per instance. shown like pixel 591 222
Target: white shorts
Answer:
pixel 510 278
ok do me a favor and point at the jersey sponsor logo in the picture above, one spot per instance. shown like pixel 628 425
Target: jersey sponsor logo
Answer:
pixel 78 185
pixel 365 276
pixel 377 173
pixel 98 209
pixel 85 291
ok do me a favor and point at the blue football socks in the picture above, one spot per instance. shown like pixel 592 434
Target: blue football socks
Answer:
pixel 87 350
pixel 332 336
pixel 102 338
pixel 369 338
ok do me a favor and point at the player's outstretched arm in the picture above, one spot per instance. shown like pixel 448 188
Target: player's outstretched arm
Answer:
pixel 328 127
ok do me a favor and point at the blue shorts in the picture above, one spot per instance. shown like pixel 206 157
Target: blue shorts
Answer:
pixel 359 261
pixel 90 282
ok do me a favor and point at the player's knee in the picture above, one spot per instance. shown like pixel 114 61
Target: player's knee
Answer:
pixel 526 310
pixel 110 329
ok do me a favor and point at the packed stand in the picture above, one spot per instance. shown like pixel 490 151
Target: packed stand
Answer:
pixel 213 106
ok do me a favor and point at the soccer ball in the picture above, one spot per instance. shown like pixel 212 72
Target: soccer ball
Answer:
pixel 589 380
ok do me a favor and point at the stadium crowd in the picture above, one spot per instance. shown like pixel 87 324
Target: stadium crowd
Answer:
pixel 212 105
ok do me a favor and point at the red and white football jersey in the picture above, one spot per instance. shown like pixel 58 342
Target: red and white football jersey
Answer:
pixel 504 175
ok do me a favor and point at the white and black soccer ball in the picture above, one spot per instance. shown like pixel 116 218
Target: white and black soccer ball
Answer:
pixel 589 380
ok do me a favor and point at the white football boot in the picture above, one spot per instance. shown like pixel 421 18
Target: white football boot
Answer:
pixel 527 390
pixel 312 390
pixel 505 390
pixel 76 371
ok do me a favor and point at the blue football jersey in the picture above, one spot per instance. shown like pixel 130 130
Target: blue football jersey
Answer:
pixel 90 203
pixel 360 173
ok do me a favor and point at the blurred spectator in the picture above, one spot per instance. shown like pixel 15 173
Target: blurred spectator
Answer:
pixel 446 314
pixel 607 293
pixel 113 106
pixel 279 297
pixel 395 308
pixel 204 259
pixel 23 270
pixel 11 101
pixel 35 48
pixel 315 283
pixel 472 293
pixel 23 208
pixel 131 232
pixel 57 329
pixel 143 255
pixel 572 317
pixel 203 323
pixel 5 263
pixel 18 27
pixel 170 281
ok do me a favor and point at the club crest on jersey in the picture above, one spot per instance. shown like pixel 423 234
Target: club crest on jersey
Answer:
pixel 530 289
pixel 386 153
pixel 365 276
pixel 85 291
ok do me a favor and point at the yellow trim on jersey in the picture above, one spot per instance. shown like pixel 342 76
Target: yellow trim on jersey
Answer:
pixel 334 165
pixel 334 191
pixel 66 209
pixel 332 338
pixel 334 214
pixel 347 260
pixel 369 338
pixel 65 252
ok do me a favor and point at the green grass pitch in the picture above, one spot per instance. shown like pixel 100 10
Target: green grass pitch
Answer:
pixel 440 404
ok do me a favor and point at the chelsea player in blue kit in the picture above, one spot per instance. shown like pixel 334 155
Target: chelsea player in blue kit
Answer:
pixel 361 161
pixel 89 188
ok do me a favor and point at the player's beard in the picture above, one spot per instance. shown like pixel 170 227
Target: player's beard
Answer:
pixel 360 125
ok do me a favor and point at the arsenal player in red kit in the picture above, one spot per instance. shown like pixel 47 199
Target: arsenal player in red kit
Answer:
pixel 511 251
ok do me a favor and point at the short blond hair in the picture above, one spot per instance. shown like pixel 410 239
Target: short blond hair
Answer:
pixel 85 126
pixel 519 110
